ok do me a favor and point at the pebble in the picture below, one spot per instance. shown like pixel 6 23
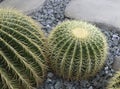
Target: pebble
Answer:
pixel 49 81
pixel 116 64
pixel 48 86
pixel 115 37
pixel 106 68
pixel 90 87
pixel 58 85
pixel 50 75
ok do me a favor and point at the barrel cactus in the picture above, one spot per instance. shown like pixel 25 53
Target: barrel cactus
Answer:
pixel 22 51
pixel 78 50
pixel 114 83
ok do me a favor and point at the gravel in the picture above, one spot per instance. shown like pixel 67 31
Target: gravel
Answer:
pixel 51 14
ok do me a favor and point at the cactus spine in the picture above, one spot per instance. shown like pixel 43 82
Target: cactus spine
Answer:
pixel 114 83
pixel 22 59
pixel 78 50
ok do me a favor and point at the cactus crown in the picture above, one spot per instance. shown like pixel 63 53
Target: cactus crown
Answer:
pixel 114 83
pixel 22 60
pixel 78 50
pixel 84 34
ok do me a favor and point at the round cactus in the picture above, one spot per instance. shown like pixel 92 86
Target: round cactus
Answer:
pixel 78 50
pixel 114 83
pixel 22 46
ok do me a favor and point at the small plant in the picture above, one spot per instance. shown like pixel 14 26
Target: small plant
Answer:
pixel 22 46
pixel 78 50
pixel 114 83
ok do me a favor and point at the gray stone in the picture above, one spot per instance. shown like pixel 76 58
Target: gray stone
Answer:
pixel 118 52
pixel 106 72
pixel 115 37
pixel 116 64
pixel 58 85
pixel 68 85
pixel 50 75
pixel 95 83
pixel 106 68
pixel 90 87
pixel 49 81
pixel 26 6
pixel 110 74
pixel 103 11
pixel 49 86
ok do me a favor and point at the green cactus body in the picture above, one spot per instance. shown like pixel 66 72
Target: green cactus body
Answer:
pixel 22 46
pixel 78 50
pixel 114 83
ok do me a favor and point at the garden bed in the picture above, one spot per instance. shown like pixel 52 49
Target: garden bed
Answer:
pixel 101 79
pixel 52 14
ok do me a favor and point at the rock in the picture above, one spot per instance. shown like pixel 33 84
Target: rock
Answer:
pixel 106 68
pixel 115 37
pixel 26 6
pixel 49 81
pixel 58 85
pixel 90 87
pixel 103 11
pixel 49 86
pixel 68 85
pixel 116 64
pixel 50 75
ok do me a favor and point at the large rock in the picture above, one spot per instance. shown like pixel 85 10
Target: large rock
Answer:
pixel 26 6
pixel 103 11
pixel 116 64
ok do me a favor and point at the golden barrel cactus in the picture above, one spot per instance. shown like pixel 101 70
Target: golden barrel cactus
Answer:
pixel 22 56
pixel 114 83
pixel 78 50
